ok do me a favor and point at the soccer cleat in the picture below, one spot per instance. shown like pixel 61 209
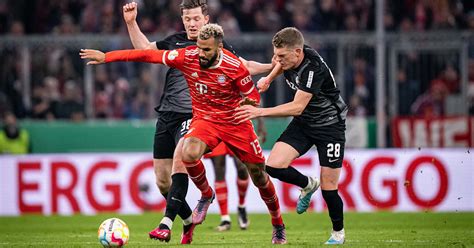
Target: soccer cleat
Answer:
pixel 337 238
pixel 224 226
pixel 200 211
pixel 279 235
pixel 305 196
pixel 160 234
pixel 187 236
pixel 243 220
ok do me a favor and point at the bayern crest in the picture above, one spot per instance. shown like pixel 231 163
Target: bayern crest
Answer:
pixel 221 79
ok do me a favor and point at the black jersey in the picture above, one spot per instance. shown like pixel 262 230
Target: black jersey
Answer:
pixel 326 107
pixel 176 96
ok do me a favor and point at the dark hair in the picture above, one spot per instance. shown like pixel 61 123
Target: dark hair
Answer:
pixel 211 30
pixel 288 37
pixel 191 4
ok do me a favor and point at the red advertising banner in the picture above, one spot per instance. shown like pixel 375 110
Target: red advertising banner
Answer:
pixel 435 132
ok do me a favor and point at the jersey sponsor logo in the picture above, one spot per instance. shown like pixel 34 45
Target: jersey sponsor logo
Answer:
pixel 246 80
pixel 195 75
pixel 173 54
pixel 221 79
pixel 201 88
pixel 310 79
pixel 291 84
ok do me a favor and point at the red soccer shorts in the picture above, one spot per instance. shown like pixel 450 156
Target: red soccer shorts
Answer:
pixel 240 139
pixel 220 150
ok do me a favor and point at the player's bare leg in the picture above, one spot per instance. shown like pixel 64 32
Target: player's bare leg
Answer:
pixel 278 166
pixel 162 169
pixel 193 149
pixel 176 203
pixel 242 186
pixel 220 187
pixel 329 186
pixel 268 194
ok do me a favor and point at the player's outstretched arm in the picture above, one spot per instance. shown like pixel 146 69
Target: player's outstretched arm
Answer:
pixel 98 57
pixel 293 108
pixel 139 40
pixel 264 83
pixel 255 67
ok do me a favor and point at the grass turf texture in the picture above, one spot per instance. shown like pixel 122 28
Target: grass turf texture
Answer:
pixel 307 230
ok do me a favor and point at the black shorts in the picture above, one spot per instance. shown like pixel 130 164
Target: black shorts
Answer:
pixel 170 127
pixel 329 141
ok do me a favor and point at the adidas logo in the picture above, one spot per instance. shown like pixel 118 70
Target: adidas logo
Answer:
pixel 194 75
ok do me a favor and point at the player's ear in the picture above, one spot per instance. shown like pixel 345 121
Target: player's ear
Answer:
pixel 298 51
pixel 206 19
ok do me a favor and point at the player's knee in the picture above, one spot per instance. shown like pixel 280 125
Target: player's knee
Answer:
pixel 163 184
pixel 242 173
pixel 258 176
pixel 191 154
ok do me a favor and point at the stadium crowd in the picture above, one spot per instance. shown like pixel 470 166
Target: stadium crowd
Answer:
pixel 57 83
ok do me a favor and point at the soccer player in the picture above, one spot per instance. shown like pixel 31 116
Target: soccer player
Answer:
pixel 217 79
pixel 174 112
pixel 319 119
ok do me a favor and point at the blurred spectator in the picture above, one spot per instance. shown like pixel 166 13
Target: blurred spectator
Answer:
pixel 42 107
pixel 360 83
pixel 355 107
pixel 13 138
pixel 71 106
pixel 431 103
pixel 229 23
pixel 408 90
pixel 139 106
pixel 470 87
pixel 449 77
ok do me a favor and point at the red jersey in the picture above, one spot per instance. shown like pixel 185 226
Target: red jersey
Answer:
pixel 215 91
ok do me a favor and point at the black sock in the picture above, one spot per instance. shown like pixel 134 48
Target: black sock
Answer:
pixel 163 227
pixel 187 227
pixel 335 206
pixel 288 175
pixel 176 201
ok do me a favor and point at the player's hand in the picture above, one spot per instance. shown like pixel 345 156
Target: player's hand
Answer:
pixel 263 84
pixel 246 112
pixel 95 56
pixel 130 12
pixel 248 101
pixel 274 61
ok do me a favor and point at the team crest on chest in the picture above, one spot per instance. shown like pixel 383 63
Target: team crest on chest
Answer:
pixel 221 79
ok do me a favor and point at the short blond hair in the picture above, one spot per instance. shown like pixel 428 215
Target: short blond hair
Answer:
pixel 211 30
pixel 288 37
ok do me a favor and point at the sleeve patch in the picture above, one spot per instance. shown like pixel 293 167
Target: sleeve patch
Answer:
pixel 172 55
pixel 310 79
pixel 245 80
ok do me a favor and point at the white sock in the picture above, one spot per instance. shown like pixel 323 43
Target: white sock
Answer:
pixel 167 221
pixel 225 218
pixel 188 220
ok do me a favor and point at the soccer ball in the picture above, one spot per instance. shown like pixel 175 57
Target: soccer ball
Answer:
pixel 113 232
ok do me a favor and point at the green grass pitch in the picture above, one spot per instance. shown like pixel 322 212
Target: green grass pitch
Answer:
pixel 382 229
